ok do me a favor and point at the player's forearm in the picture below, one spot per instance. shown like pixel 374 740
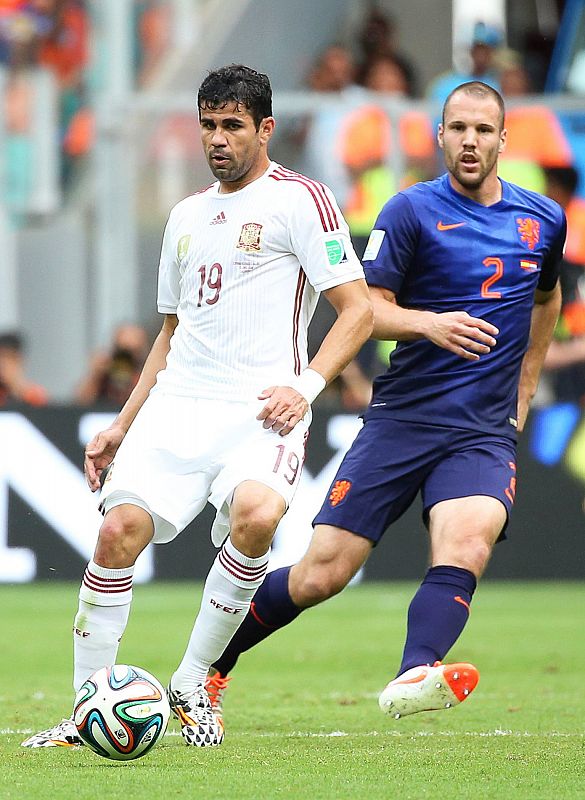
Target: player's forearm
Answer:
pixel 544 319
pixel 156 360
pixel 394 323
pixel 344 339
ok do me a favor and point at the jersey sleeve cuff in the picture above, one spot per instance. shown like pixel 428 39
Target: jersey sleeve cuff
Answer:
pixel 355 275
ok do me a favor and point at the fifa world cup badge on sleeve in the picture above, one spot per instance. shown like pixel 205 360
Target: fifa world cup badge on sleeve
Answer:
pixel 374 245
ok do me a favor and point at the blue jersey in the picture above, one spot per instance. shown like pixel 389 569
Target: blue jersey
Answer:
pixel 439 251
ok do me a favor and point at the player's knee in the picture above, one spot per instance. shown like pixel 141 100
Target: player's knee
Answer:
pixel 481 555
pixel 253 524
pixel 252 534
pixel 258 520
pixel 121 539
pixel 474 553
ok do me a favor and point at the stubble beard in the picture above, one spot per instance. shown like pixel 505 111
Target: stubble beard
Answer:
pixel 229 174
pixel 472 182
pixel 234 170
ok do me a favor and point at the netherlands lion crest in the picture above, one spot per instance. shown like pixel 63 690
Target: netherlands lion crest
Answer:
pixel 338 492
pixel 529 231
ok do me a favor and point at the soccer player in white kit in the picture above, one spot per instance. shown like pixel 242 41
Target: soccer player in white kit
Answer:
pixel 222 408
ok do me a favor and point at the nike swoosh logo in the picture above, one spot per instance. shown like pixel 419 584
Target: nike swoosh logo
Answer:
pixel 416 679
pixel 459 599
pixel 442 227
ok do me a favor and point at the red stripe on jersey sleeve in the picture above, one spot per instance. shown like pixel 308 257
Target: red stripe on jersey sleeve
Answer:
pixel 320 208
pixel 331 215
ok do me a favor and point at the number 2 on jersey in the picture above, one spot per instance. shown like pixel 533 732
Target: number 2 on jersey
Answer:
pixel 489 282
pixel 209 280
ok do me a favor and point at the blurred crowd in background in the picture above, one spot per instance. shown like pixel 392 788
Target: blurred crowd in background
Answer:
pixel 38 36
pixel 355 145
pixel 54 37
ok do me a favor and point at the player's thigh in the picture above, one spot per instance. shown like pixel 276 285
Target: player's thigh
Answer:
pixel 164 465
pixel 261 457
pixel 475 466
pixel 380 476
pixel 332 559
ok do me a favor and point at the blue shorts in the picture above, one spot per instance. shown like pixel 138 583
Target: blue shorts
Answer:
pixel 390 461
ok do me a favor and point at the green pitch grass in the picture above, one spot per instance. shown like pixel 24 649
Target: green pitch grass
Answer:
pixel 302 715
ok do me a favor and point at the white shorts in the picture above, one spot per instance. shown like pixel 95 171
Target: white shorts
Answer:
pixel 181 452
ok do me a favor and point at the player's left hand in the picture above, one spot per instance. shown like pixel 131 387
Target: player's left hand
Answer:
pixel 283 409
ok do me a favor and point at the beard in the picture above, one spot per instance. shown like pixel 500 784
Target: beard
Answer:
pixel 475 179
pixel 229 173
pixel 235 167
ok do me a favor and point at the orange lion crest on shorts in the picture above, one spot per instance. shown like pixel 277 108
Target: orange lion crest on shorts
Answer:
pixel 338 492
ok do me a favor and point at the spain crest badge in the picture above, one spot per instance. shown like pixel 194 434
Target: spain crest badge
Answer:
pixel 249 240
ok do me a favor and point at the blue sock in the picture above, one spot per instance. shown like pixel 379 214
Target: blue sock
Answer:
pixel 437 615
pixel 272 608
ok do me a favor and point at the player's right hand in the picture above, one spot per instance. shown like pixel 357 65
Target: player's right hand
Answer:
pixel 284 408
pixel 466 336
pixel 99 452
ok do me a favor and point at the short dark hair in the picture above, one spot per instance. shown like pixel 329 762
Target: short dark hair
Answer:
pixel 477 89
pixel 11 340
pixel 237 84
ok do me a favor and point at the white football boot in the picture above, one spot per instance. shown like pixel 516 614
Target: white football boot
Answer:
pixel 428 688
pixel 200 727
pixel 62 735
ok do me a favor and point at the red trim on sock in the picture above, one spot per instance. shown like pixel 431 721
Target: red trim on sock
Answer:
pixel 260 621
pixel 463 603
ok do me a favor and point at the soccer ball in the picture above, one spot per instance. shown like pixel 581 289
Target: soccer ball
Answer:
pixel 121 712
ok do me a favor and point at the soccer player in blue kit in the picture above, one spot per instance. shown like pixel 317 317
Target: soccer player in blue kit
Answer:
pixel 463 273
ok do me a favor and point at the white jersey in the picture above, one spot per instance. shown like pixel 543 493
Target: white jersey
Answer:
pixel 243 272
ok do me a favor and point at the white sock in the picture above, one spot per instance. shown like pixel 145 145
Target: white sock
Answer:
pixel 104 605
pixel 230 586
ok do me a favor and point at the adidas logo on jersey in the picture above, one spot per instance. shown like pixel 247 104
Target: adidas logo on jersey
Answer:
pixel 219 219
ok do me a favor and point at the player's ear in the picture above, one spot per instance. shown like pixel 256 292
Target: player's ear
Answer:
pixel 440 131
pixel 503 139
pixel 266 129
